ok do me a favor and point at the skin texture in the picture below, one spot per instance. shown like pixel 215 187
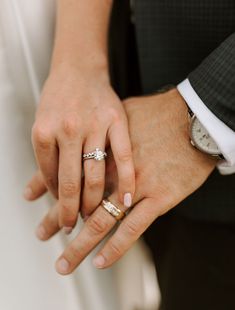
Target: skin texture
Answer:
pixel 168 169
pixel 79 112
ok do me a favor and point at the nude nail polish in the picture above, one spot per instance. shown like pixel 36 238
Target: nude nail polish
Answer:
pixel 28 193
pixel 41 232
pixel 99 261
pixel 127 200
pixel 62 266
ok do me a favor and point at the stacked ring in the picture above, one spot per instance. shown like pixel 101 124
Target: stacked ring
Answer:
pixel 97 155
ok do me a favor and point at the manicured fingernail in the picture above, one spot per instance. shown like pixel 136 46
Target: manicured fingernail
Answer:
pixel 41 232
pixel 127 200
pixel 62 266
pixel 68 230
pixel 28 193
pixel 99 261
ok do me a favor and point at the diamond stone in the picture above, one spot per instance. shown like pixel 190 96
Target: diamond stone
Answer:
pixel 99 155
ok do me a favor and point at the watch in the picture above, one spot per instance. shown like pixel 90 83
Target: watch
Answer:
pixel 201 139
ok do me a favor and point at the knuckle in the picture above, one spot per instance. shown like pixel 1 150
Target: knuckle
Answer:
pixel 96 116
pixel 115 248
pixel 41 136
pixel 69 188
pixel 94 181
pixel 67 216
pixel 124 156
pixel 74 251
pixel 70 126
pixel 97 224
pixel 114 115
pixel 131 227
pixel 94 127
pixel 65 209
pixel 51 181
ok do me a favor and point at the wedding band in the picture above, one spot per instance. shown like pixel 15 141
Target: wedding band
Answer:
pixel 113 210
pixel 97 155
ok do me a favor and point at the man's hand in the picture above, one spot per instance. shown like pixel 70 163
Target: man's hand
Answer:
pixel 168 169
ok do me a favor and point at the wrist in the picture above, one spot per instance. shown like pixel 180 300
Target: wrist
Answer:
pixel 69 69
pixel 180 124
pixel 93 65
pixel 202 158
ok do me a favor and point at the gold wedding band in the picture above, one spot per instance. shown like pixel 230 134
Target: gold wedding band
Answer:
pixel 113 210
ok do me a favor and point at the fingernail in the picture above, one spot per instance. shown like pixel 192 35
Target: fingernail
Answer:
pixel 99 261
pixel 41 232
pixel 28 193
pixel 127 200
pixel 68 230
pixel 62 266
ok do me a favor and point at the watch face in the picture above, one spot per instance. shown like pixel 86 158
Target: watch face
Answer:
pixel 201 138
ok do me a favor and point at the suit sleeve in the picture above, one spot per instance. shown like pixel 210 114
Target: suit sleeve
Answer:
pixel 214 81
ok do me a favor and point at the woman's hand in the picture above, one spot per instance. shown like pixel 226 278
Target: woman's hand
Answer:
pixel 78 113
pixel 168 169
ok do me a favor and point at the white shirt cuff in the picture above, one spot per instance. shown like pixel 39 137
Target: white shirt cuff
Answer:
pixel 223 135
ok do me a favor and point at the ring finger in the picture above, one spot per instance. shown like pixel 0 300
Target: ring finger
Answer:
pixel 94 174
pixel 95 229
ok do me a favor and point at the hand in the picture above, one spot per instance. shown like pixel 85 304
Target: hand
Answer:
pixel 79 112
pixel 168 169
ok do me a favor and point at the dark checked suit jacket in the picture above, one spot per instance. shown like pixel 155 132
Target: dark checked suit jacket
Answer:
pixel 177 39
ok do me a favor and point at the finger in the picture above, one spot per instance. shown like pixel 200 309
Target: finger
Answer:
pixel 94 172
pixel 69 182
pixel 122 152
pixel 131 228
pixel 111 177
pixel 95 229
pixel 46 152
pixel 36 187
pixel 49 225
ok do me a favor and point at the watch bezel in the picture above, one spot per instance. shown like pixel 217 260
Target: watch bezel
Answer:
pixel 195 143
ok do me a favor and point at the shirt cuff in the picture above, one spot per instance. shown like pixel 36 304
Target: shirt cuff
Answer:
pixel 220 132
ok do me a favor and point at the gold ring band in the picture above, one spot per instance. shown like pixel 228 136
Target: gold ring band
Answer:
pixel 113 210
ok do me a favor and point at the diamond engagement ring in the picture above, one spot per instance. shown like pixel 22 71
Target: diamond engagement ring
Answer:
pixel 113 210
pixel 97 155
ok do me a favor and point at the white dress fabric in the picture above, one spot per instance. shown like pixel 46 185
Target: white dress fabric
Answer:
pixel 27 276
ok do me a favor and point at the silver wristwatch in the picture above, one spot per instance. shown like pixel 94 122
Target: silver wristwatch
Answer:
pixel 201 139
